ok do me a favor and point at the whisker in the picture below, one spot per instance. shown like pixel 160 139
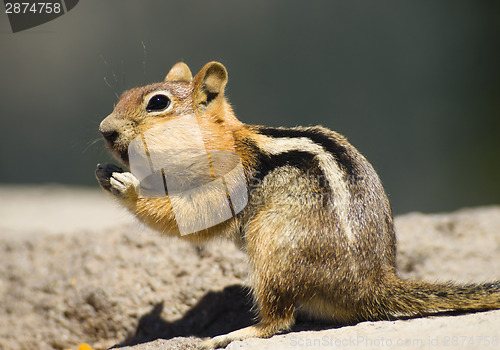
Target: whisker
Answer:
pixel 123 77
pixel 114 86
pixel 103 59
pixel 91 144
pixel 107 83
pixel 144 60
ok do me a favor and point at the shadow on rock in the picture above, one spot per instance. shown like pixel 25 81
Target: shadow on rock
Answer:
pixel 216 313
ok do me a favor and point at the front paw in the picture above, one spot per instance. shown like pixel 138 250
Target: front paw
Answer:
pixel 114 180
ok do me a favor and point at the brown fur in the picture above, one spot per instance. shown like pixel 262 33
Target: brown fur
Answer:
pixel 317 229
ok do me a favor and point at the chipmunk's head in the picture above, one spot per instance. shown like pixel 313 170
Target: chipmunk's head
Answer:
pixel 143 108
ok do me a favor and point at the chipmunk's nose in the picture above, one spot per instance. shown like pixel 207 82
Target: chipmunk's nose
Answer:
pixel 108 131
pixel 110 135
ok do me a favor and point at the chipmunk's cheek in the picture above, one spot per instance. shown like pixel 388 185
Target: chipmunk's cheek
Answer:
pixel 124 158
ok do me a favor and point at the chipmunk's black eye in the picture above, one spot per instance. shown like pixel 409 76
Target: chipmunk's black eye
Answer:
pixel 158 103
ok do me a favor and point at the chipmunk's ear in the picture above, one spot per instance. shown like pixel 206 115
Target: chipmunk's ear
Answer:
pixel 180 72
pixel 209 83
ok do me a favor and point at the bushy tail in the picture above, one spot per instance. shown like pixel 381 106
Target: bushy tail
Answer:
pixel 404 298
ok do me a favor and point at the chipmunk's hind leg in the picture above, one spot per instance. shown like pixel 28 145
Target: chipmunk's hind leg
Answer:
pixel 276 313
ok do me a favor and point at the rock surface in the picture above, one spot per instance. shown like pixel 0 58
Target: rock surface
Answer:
pixel 76 268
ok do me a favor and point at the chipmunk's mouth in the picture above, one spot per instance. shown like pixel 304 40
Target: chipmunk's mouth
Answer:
pixel 118 151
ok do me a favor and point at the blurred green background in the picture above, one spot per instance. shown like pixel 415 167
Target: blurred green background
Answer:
pixel 414 85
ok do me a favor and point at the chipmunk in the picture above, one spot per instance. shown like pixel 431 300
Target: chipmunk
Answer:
pixel 317 224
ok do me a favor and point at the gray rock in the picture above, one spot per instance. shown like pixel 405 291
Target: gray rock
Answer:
pixel 68 275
